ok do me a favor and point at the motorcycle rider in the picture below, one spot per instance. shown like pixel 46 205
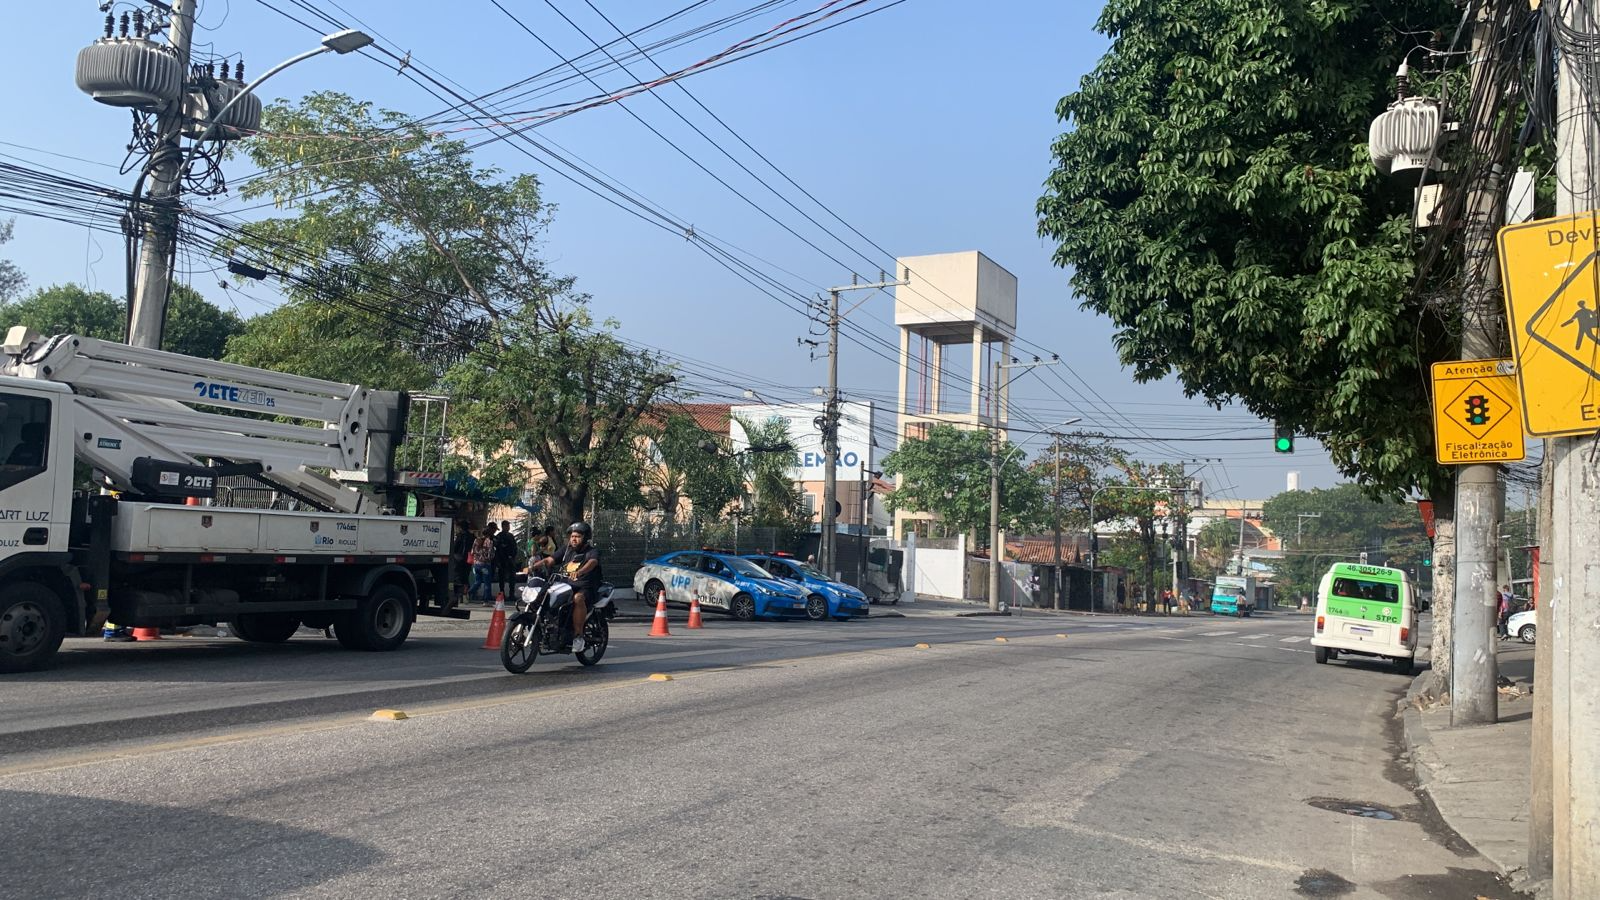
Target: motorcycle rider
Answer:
pixel 579 563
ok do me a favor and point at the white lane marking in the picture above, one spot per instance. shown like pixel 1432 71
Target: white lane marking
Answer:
pixel 1293 640
pixel 1214 633
pixel 1252 637
pixel 1107 625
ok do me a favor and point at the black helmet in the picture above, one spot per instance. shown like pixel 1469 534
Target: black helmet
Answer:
pixel 581 528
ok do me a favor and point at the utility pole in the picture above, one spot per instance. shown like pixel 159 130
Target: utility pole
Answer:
pixel 148 305
pixel 1055 580
pixel 1473 666
pixel 1574 595
pixel 1001 411
pixel 830 423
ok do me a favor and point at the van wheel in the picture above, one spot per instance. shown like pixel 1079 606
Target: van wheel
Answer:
pixel 1322 655
pixel 381 621
pixel 33 621
pixel 1405 665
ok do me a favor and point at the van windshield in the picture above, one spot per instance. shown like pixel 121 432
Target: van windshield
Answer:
pixel 1361 589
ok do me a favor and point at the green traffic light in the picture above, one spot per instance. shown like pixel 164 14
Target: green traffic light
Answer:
pixel 1285 445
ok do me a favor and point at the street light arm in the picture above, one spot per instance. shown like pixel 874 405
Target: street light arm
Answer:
pixel 340 42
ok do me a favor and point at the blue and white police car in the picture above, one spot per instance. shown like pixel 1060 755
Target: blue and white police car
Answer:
pixel 825 598
pixel 722 582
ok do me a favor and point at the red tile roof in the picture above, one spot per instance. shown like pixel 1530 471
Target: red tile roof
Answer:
pixel 711 417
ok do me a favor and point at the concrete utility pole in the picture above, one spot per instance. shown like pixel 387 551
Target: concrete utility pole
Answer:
pixel 148 305
pixel 1574 585
pixel 1001 411
pixel 830 424
pixel 1055 579
pixel 1474 667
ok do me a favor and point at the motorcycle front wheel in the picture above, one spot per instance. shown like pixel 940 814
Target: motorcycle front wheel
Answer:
pixel 596 635
pixel 520 647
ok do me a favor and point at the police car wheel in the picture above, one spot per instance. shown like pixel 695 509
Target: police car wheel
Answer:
pixel 743 607
pixel 816 607
pixel 652 592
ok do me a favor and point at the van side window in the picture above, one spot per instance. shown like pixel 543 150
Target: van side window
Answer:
pixel 24 437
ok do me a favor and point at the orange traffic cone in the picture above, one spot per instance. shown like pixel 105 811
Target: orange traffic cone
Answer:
pixel 659 627
pixel 497 624
pixel 694 613
pixel 147 634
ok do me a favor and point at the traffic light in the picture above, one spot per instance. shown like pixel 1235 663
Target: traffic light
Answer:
pixel 1283 438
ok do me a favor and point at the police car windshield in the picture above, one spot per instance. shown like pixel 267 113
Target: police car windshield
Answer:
pixel 809 570
pixel 746 567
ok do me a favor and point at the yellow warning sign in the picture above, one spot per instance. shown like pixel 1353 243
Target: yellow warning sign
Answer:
pixel 1475 417
pixel 1552 286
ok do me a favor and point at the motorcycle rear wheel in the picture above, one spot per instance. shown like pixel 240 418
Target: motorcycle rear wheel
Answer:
pixel 520 647
pixel 596 635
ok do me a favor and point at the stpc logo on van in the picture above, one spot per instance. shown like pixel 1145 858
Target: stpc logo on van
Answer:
pixel 232 393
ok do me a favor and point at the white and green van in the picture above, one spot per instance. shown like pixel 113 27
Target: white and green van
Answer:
pixel 1366 611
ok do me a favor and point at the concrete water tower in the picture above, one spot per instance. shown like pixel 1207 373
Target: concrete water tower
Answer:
pixel 957 317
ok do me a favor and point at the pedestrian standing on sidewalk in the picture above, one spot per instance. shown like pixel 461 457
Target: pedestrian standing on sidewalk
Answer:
pixel 482 561
pixel 460 569
pixel 1505 611
pixel 505 559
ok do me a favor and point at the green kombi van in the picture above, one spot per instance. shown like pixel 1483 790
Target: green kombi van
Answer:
pixel 1366 611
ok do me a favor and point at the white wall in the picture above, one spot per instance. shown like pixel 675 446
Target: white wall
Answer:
pixel 942 573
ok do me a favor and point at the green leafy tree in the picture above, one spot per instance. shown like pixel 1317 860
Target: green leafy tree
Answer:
pixel 12 281
pixel 197 327
pixel 436 259
pixel 1213 197
pixel 567 400
pixel 689 461
pixel 1348 523
pixel 948 473
pixel 68 309
pixel 194 326
pixel 777 502
pixel 1136 496
pixel 319 340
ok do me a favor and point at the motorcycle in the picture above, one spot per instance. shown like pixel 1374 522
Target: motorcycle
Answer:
pixel 543 624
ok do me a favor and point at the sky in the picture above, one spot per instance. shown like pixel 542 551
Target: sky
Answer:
pixel 922 127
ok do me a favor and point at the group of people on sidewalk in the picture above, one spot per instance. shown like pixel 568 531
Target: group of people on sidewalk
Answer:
pixel 485 563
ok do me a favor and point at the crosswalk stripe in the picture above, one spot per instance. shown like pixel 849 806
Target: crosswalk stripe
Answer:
pixel 1252 637
pixel 1294 640
pixel 1214 633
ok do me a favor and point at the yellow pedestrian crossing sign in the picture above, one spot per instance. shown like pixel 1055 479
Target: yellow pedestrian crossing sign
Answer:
pixel 1552 287
pixel 1475 415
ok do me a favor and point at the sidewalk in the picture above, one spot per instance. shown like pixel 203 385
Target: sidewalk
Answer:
pixel 1478 777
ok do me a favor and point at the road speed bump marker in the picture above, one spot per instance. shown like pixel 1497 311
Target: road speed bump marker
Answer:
pixel 390 715
pixel 1061 634
pixel 659 677
pixel 1002 640
pixel 924 647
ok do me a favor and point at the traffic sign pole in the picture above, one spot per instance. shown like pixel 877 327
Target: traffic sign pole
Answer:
pixel 1472 666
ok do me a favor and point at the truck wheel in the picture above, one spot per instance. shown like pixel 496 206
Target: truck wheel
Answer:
pixel 265 628
pixel 33 621
pixel 381 621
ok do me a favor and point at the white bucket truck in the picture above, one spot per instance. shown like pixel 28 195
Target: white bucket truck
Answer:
pixel 157 430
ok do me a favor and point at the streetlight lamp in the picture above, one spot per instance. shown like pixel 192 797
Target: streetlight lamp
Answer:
pixel 340 42
pixel 150 283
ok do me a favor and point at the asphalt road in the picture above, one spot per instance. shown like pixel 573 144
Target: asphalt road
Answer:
pixel 1131 758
